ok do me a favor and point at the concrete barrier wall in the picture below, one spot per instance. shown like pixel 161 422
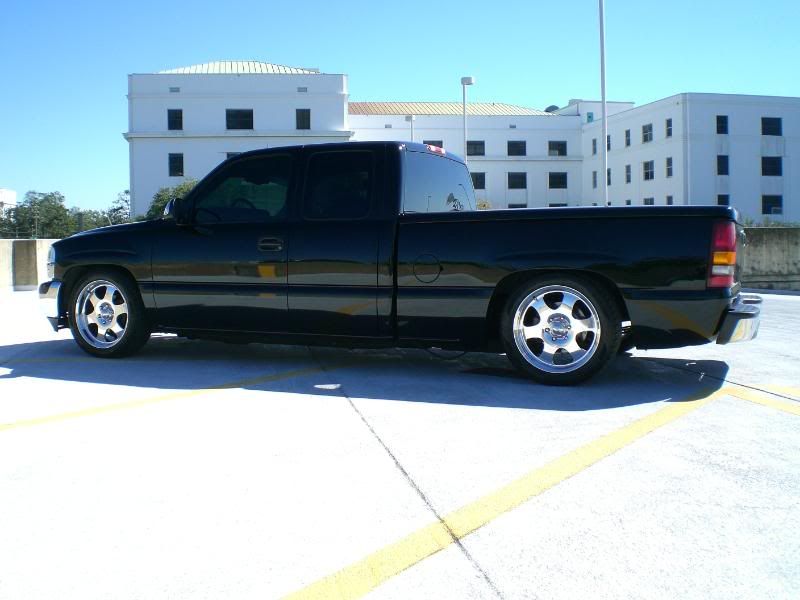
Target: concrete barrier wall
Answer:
pixel 6 268
pixel 23 264
pixel 772 258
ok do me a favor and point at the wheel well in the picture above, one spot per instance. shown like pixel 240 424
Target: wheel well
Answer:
pixel 510 283
pixel 73 275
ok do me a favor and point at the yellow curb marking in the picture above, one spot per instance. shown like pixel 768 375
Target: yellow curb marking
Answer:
pixel 97 410
pixel 766 400
pixel 362 577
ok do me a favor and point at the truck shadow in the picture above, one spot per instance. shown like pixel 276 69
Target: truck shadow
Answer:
pixel 487 380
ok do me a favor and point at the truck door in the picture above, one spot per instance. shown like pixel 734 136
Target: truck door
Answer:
pixel 333 257
pixel 226 270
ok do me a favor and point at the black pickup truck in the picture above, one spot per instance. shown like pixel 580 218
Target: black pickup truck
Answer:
pixel 379 244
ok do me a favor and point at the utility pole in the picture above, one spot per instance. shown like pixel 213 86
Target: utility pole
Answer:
pixel 603 100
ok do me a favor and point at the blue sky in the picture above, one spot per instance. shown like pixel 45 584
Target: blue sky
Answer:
pixel 63 65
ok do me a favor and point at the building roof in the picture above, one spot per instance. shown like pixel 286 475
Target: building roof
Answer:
pixel 442 108
pixel 239 67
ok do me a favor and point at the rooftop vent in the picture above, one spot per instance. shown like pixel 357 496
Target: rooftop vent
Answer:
pixel 551 109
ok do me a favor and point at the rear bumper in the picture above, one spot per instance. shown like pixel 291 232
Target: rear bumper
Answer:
pixel 50 302
pixel 740 322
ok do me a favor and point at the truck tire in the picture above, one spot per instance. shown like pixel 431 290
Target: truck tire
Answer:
pixel 106 314
pixel 560 329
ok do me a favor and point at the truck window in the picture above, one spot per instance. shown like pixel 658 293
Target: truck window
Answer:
pixel 338 185
pixel 435 183
pixel 252 189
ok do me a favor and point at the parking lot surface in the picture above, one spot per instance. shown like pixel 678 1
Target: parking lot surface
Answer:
pixel 206 470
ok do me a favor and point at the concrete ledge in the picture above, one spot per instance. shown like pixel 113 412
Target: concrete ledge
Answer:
pixel 23 264
pixel 771 258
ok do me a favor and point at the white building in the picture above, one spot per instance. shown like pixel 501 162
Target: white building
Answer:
pixel 184 122
pixel 8 200
pixel 685 149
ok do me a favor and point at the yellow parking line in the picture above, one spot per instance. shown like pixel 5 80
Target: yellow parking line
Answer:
pixel 766 400
pixel 96 410
pixel 360 578
pixel 786 391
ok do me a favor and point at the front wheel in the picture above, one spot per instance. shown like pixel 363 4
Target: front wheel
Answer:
pixel 107 316
pixel 561 330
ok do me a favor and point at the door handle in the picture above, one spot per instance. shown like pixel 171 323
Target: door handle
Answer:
pixel 270 244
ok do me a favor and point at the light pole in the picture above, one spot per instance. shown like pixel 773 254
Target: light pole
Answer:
pixel 411 119
pixel 465 81
pixel 603 100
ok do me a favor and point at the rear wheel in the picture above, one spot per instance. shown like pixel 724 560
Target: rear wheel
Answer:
pixel 107 316
pixel 561 330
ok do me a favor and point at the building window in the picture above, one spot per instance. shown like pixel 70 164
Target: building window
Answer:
pixel 231 154
pixel 175 165
pixel 302 117
pixel 669 166
pixel 517 148
pixel 513 205
pixel 479 181
pixel 557 204
pixel 608 143
pixel 722 124
pixel 437 143
pixel 723 200
pixel 174 90
pixel 723 166
pixel 239 118
pixel 174 119
pixel 387 126
pixel 517 181
pixel 771 205
pixel 608 176
pixel 771 166
pixel 594 179
pixel 771 126
pixel 594 146
pixel 627 137
pixel 668 128
pixel 649 201
pixel 556 148
pixel 627 202
pixel 557 181
pixel 647 133
pixel 669 201
pixel 649 170
pixel 302 89
pixel 476 148
pixel 627 173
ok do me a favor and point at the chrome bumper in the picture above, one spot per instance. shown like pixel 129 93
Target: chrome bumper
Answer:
pixel 49 293
pixel 741 320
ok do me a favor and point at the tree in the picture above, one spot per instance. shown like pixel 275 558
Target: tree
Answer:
pixel 81 220
pixel 164 195
pixel 120 211
pixel 40 215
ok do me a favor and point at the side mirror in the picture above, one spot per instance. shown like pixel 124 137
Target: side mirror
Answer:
pixel 169 209
pixel 175 209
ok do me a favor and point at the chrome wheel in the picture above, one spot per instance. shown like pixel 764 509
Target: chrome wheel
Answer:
pixel 101 314
pixel 556 329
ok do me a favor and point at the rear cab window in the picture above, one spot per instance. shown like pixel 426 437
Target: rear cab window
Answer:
pixel 435 183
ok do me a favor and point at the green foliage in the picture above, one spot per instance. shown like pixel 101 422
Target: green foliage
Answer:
pixel 164 195
pixel 120 211
pixel 39 215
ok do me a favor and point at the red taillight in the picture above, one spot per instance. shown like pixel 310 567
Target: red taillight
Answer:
pixel 722 262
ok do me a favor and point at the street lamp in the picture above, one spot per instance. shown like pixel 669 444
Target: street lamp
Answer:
pixel 465 81
pixel 410 119
pixel 603 99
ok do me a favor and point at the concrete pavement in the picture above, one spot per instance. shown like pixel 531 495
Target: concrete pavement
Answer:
pixel 205 470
